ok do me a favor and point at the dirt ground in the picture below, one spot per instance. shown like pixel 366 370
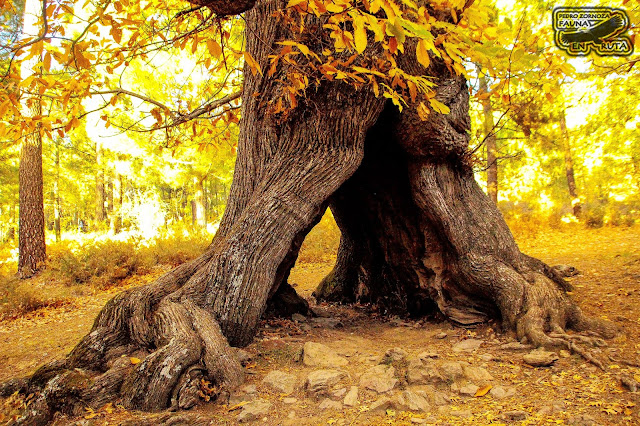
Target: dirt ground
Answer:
pixel 570 391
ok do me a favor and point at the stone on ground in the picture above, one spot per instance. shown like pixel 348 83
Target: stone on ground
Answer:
pixel 318 382
pixel 477 375
pixel 328 404
pixel 468 345
pixel 281 381
pixel 379 378
pixel 409 400
pixel 319 355
pixel 254 410
pixel 394 355
pixel 540 358
pixel 351 399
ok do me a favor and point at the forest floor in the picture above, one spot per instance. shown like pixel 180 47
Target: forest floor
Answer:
pixel 440 374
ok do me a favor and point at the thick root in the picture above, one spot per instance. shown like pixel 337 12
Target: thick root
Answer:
pixel 171 363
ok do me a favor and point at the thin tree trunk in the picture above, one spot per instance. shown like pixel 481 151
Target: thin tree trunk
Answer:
pixel 100 191
pixel 56 194
pixel 490 143
pixel 32 248
pixel 576 205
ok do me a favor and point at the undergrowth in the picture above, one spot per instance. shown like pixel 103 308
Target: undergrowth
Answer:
pixel 75 269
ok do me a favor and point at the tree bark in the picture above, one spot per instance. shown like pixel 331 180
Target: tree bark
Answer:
pixel 418 233
pixel 56 193
pixel 31 242
pixel 101 213
pixel 576 205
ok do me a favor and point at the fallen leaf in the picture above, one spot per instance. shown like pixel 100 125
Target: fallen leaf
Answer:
pixel 483 390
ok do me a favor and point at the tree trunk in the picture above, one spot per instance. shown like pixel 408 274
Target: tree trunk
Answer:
pixel 490 142
pixel 418 233
pixel 56 194
pixel 576 205
pixel 31 242
pixel 101 214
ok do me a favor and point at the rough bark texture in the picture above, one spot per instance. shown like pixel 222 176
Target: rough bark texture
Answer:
pixel 418 233
pixel 32 249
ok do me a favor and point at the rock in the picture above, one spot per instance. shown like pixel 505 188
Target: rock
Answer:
pixel 413 401
pixel 451 371
pixel 487 357
pixel 394 355
pixel 564 353
pixel 581 420
pixel 441 398
pixel 326 322
pixel 254 410
pixel 291 415
pixel 469 390
pixel 381 404
pixel 514 416
pixel 629 383
pixel 318 382
pixel 379 378
pixel 243 356
pixel 498 392
pixel 249 389
pixel 515 346
pixel 351 399
pixel 298 317
pixel 418 420
pixel 329 404
pixel 428 355
pixel 468 345
pixel 440 335
pixel 540 358
pixel 281 381
pixel 290 400
pixel 554 407
pixel 460 413
pixel 566 270
pixel 338 393
pixel 477 375
pixel 319 355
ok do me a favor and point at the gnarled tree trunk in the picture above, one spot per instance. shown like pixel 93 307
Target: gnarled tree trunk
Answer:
pixel 417 233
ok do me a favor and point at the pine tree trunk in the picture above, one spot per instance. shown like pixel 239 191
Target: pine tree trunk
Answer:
pixel 31 243
pixel 101 214
pixel 56 194
pixel 418 234
pixel 576 205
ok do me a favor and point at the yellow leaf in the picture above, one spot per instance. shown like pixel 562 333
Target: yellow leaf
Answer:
pixel 422 54
pixel 483 390
pixel 237 406
pixel 47 61
pixel 438 106
pixel 255 67
pixel 214 48
pixel 135 360
pixel 293 3
pixel 359 33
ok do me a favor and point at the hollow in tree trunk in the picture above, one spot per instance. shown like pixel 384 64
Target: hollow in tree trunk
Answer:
pixel 418 234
